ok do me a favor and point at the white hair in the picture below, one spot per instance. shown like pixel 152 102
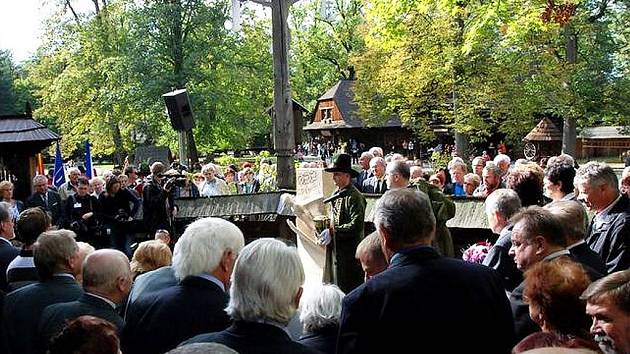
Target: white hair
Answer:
pixel 74 170
pixel 505 201
pixel 40 177
pixel 320 307
pixel 502 158
pixel 203 244
pixel 376 151
pixel 267 277
pixel 96 179
pixel 377 160
pixel 595 174
pixel 209 167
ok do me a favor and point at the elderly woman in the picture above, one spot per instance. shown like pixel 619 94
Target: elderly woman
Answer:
pixel 320 310
pixel 97 186
pixel 552 290
pixel 6 195
pixel 212 185
pixel 471 182
pixel 149 256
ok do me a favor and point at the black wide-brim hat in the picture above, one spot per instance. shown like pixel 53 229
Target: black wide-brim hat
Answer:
pixel 343 163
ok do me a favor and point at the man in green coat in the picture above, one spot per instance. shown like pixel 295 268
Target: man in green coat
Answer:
pixel 397 176
pixel 348 216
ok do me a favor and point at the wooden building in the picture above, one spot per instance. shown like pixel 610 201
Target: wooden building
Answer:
pixel 544 140
pixel 21 139
pixel 602 142
pixel 336 118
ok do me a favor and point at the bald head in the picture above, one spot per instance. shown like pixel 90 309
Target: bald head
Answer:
pixel 106 273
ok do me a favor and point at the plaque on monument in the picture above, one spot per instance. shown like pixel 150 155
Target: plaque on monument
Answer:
pixel 150 154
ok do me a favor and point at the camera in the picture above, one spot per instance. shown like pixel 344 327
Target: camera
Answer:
pixel 121 216
pixel 178 181
pixel 77 227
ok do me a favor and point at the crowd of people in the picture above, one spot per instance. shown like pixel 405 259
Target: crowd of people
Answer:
pixel 554 277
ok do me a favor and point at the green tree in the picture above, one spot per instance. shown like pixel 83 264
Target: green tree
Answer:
pixel 324 36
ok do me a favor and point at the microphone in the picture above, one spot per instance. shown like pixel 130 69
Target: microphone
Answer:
pixel 339 194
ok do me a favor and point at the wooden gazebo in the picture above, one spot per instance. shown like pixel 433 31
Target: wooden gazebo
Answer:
pixel 543 141
pixel 21 139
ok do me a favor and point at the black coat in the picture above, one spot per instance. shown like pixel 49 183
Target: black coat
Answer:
pixel 54 206
pixel 610 237
pixel 499 259
pixel 324 340
pixel 583 254
pixel 23 309
pixel 54 316
pixel 157 207
pixel 254 338
pixel 423 297
pixel 370 185
pixel 157 324
pixel 7 254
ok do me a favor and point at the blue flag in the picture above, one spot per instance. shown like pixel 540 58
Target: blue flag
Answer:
pixel 59 177
pixel 88 160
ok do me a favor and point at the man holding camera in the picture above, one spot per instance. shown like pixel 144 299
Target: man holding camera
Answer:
pixel 157 200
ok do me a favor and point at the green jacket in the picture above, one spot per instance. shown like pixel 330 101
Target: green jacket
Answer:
pixel 349 221
pixel 444 210
pixel 350 215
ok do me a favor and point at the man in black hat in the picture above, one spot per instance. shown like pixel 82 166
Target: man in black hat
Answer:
pixel 349 216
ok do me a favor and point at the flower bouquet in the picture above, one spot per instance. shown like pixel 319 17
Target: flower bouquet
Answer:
pixel 477 252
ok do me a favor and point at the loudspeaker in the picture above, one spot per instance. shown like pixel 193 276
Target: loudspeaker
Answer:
pixel 179 110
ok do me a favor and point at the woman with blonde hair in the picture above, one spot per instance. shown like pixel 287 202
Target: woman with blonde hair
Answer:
pixel 6 195
pixel 149 256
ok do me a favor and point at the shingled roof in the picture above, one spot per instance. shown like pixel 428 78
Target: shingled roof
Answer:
pixel 545 130
pixel 23 128
pixel 343 95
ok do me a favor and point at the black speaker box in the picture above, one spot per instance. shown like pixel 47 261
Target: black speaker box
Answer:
pixel 179 110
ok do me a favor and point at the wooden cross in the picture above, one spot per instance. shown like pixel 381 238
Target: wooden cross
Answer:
pixel 283 132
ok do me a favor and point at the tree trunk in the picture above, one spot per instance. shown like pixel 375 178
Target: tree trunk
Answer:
pixel 461 140
pixel 569 135
pixel 118 144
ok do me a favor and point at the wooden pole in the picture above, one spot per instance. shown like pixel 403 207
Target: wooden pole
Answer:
pixel 283 133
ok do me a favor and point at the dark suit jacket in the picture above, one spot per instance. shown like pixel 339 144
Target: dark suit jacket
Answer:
pixel 54 316
pixel 610 238
pixel 499 259
pixel 325 340
pixel 583 254
pixel 369 185
pixel 54 206
pixel 7 254
pixel 23 309
pixel 254 338
pixel 363 175
pixel 149 283
pixel 423 297
pixel 157 324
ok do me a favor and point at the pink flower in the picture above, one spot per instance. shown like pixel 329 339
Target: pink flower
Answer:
pixel 477 252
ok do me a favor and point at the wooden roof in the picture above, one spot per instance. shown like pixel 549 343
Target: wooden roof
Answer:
pixel 607 132
pixel 24 129
pixel 343 95
pixel 545 130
